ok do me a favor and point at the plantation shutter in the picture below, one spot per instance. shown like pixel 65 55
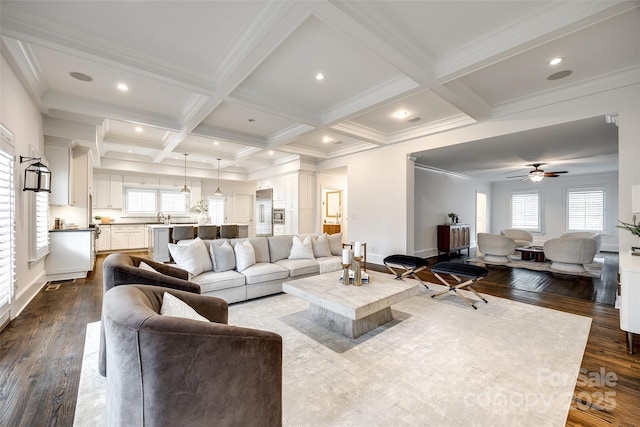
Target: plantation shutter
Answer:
pixel 39 242
pixel 7 232
pixel 216 210
pixel 174 202
pixel 525 211
pixel 585 210
pixel 141 201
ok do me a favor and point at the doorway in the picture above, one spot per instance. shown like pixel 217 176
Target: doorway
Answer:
pixel 481 213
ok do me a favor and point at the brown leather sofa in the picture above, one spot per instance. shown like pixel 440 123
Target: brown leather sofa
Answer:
pixel 122 269
pixel 170 371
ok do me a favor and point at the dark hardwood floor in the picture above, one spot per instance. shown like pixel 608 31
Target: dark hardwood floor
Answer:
pixel 41 350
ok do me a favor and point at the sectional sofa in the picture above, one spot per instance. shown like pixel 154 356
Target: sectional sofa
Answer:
pixel 238 269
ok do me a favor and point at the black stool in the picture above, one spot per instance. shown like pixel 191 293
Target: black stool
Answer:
pixel 410 265
pixel 471 273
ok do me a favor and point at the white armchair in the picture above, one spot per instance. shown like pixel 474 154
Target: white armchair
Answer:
pixel 495 247
pixel 596 236
pixel 570 253
pixel 523 238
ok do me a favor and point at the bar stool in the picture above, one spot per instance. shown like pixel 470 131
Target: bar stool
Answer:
pixel 182 232
pixel 208 231
pixel 229 231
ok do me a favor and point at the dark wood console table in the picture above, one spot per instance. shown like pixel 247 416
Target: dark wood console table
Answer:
pixel 453 238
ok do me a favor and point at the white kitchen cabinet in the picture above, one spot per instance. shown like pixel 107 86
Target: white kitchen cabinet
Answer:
pixel 135 180
pixel 59 157
pixel 107 193
pixel 128 237
pixel 104 238
pixel 82 171
pixel 71 254
pixel 158 241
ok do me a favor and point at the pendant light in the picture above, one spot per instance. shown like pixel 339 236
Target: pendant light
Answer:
pixel 218 192
pixel 185 189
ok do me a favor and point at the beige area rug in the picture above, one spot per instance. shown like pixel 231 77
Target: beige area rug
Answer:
pixel 438 363
pixel 592 270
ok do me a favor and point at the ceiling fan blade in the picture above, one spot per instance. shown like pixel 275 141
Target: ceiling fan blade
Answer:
pixel 519 176
pixel 555 173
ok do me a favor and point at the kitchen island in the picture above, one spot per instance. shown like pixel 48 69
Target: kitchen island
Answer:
pixel 71 253
pixel 159 236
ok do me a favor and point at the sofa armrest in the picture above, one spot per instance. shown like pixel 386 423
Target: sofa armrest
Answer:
pixel 126 274
pixel 167 269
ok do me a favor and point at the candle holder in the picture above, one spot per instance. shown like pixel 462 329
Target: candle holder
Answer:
pixel 345 274
pixel 357 274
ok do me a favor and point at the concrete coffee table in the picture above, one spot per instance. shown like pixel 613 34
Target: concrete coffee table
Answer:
pixel 351 310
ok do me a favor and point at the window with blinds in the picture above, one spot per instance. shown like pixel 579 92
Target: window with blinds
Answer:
pixel 140 202
pixel 174 202
pixel 585 209
pixel 216 210
pixel 39 239
pixel 525 211
pixel 7 226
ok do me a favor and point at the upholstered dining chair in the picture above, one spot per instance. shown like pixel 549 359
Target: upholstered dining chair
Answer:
pixel 172 370
pixel 208 231
pixel 229 231
pixel 182 232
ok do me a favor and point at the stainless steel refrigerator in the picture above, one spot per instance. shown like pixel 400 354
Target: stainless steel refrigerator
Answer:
pixel 264 213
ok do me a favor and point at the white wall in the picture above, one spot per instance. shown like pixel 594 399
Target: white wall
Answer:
pixel 437 194
pixel 554 205
pixel 20 115
pixel 380 181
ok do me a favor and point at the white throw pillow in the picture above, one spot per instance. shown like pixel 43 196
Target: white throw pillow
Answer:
pixel 335 243
pixel 301 249
pixel 144 266
pixel 321 246
pixel 192 256
pixel 223 257
pixel 245 255
pixel 172 306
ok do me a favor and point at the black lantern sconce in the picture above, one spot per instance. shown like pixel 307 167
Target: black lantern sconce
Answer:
pixel 37 177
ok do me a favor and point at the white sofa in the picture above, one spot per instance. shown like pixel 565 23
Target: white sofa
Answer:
pixel 227 274
pixel 495 247
pixel 570 253
pixel 522 238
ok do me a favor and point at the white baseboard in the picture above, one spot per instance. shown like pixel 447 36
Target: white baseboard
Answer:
pixel 24 297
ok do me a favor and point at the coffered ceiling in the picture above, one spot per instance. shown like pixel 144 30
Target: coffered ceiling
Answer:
pixel 236 80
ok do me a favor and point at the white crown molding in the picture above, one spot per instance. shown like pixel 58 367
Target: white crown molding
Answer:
pixel 465 99
pixel 252 99
pixel 358 131
pixel 229 136
pixel 610 81
pixel 555 21
pixel 382 93
pixel 289 134
pixel 196 109
pixel 430 128
pixel 28 70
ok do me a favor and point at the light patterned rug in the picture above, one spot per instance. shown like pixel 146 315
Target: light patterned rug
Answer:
pixel 439 362
pixel 592 270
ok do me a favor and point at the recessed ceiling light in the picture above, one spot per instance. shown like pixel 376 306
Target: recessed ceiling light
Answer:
pixel 559 75
pixel 252 120
pixel 216 143
pixel 139 129
pixel 130 151
pixel 122 87
pixel 271 152
pixel 413 119
pixel 319 76
pixel 401 114
pixel 327 139
pixel 81 76
pixel 555 61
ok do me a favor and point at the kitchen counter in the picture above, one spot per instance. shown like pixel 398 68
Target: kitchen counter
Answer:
pixel 71 229
pixel 71 253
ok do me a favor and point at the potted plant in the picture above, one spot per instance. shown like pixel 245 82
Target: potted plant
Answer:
pixel 453 217
pixel 633 228
pixel 201 208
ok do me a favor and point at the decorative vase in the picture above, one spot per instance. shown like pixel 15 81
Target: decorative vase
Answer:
pixel 202 218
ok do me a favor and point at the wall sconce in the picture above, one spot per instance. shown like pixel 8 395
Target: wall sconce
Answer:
pixel 37 177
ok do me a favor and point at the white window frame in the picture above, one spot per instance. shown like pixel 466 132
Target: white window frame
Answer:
pixel 591 189
pixel 216 212
pixel 7 226
pixel 522 223
pixel 157 205
pixel 38 205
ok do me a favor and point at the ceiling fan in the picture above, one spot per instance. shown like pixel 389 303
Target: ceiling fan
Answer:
pixel 537 174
